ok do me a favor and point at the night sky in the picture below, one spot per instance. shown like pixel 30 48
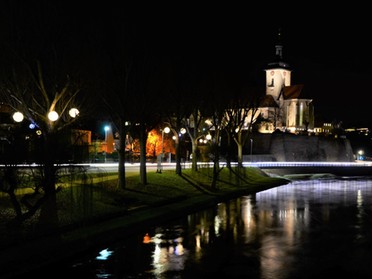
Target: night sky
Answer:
pixel 328 50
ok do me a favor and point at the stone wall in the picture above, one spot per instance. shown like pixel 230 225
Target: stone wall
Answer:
pixel 289 147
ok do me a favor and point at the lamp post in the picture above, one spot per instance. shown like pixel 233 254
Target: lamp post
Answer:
pixel 251 149
pixel 360 154
pixel 165 130
pixel 107 128
pixel 160 156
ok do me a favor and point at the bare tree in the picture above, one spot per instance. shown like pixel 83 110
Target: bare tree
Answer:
pixel 197 128
pixel 240 117
pixel 46 104
pixel 128 86
pixel 216 110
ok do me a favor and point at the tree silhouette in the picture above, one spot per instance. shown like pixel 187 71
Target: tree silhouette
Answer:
pixel 38 98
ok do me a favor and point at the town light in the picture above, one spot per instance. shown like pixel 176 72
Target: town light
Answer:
pixel 73 112
pixel 360 154
pixel 106 128
pixel 18 116
pixel 53 116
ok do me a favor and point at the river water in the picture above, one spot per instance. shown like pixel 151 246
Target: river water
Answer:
pixel 305 229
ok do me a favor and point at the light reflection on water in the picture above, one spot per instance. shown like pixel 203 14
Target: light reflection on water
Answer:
pixel 305 229
pixel 318 226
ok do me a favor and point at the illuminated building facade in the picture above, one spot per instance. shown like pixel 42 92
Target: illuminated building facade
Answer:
pixel 283 107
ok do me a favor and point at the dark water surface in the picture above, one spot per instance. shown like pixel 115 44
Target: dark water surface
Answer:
pixel 305 229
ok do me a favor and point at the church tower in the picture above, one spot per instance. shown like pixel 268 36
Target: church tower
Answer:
pixel 283 106
pixel 278 73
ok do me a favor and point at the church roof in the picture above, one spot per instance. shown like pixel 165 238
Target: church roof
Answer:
pixel 268 101
pixel 294 92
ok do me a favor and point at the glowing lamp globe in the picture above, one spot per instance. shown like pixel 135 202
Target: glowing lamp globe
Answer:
pixel 53 116
pixel 166 130
pixel 18 116
pixel 73 112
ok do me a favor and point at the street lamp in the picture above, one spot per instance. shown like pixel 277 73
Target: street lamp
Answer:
pixel 165 130
pixel 360 153
pixel 106 128
pixel 53 116
pixel 160 156
pixel 74 112
pixel 183 131
pixel 18 116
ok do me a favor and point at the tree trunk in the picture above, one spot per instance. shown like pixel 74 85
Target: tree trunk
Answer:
pixel 215 174
pixel 194 155
pixel 143 140
pixel 216 166
pixel 178 156
pixel 240 155
pixel 216 159
pixel 121 152
pixel 48 212
pixel 240 150
pixel 228 153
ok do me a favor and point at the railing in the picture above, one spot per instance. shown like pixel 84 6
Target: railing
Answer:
pixel 307 164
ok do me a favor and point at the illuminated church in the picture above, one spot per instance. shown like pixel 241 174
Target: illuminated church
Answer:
pixel 283 107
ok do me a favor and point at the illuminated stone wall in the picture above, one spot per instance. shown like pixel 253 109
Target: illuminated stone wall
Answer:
pixel 289 147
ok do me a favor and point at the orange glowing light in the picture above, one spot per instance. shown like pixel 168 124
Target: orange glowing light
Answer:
pixel 146 238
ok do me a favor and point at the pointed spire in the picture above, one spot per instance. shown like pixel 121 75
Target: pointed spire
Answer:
pixel 278 46
pixel 278 58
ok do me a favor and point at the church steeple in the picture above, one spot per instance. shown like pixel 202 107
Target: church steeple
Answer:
pixel 279 46
pixel 278 62
pixel 278 72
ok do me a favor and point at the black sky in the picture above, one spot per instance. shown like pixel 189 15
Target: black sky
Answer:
pixel 328 50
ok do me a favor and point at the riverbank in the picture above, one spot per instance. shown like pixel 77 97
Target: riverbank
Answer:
pixel 167 196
